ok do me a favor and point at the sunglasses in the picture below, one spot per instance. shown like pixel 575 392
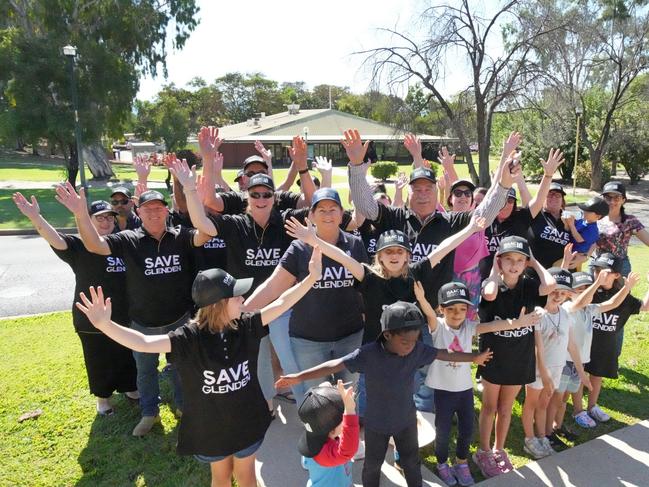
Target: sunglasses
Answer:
pixel 104 218
pixel 458 193
pixel 255 195
pixel 612 197
pixel 119 202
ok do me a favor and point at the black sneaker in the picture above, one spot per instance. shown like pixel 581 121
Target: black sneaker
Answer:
pixel 567 433
pixel 555 441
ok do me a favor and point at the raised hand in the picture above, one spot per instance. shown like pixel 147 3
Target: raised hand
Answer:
pixel 97 309
pixel 315 264
pixel 401 182
pixel 266 154
pixel 180 170
pixel 512 142
pixel 323 165
pixel 31 211
pixel 601 277
pixel 445 159
pixel 140 188
pixel 306 234
pixel 568 257
pixel 478 223
pixel 354 146
pixel 142 165
pixel 348 397
pixel 412 143
pixel 203 188
pixel 552 163
pixel 68 197
pixel 298 153
pixel 631 280
pixel 483 357
pixel 208 141
pixel 218 162
pixel 420 294
pixel 529 319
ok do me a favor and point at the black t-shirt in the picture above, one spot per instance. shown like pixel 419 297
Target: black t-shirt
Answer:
pixel 212 254
pixel 379 293
pixel 424 238
pixel 606 326
pixel 253 251
pixel 517 224
pixel 159 273
pixel 370 236
pixel 514 359
pixel 235 203
pixel 224 409
pixel 332 309
pixel 548 237
pixel 90 269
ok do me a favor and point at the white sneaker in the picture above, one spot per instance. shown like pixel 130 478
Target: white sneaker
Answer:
pixel 360 453
pixel 534 448
pixel 598 415
pixel 545 443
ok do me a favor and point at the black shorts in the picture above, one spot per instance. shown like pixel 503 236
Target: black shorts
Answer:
pixel 110 366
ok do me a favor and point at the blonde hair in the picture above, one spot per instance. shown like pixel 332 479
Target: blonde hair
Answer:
pixel 214 317
pixel 378 268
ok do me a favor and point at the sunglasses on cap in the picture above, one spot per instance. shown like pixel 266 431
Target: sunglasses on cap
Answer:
pixel 458 193
pixel 256 195
pixel 119 202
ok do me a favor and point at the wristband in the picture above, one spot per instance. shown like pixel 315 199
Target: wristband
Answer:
pixel 547 176
pixel 303 171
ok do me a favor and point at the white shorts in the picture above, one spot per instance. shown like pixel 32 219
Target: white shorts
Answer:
pixel 555 374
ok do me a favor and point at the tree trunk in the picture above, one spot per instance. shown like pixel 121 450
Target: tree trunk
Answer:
pixel 73 164
pixel 596 170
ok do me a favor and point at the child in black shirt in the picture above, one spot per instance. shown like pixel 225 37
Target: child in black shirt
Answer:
pixel 225 415
pixel 389 364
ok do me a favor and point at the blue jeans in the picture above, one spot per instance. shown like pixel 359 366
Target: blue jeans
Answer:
pixel 309 354
pixel 278 336
pixel 147 371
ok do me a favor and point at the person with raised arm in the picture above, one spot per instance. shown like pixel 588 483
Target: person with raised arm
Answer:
pixel 225 417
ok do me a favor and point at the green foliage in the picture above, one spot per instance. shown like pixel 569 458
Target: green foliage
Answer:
pixel 384 169
pixel 584 174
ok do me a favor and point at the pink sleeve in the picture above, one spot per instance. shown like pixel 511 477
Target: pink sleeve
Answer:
pixel 339 451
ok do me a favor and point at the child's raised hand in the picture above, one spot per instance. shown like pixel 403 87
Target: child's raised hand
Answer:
pixel 478 223
pixel 529 319
pixel 305 233
pixel 97 309
pixel 568 257
pixel 483 357
pixel 348 397
pixel 601 277
pixel 285 381
pixel 632 279
pixel 420 294
pixel 315 264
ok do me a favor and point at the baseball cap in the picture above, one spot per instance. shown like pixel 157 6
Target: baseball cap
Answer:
pixel 556 187
pixel 321 411
pixel 596 204
pixel 422 173
pixel 562 277
pixel 463 182
pixel 608 261
pixel 325 194
pixel 614 187
pixel 393 238
pixel 252 160
pixel 514 243
pixel 100 207
pixel 581 279
pixel 400 315
pixel 453 293
pixel 122 190
pixel 511 193
pixel 240 173
pixel 151 195
pixel 261 180
pixel 213 285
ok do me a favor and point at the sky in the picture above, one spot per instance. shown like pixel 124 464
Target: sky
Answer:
pixel 286 40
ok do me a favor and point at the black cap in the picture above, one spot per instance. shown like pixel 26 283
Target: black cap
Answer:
pixel 463 182
pixel 557 187
pixel 261 180
pixel 100 207
pixel 121 189
pixel 151 195
pixel 213 285
pixel 452 293
pixel 562 277
pixel 596 204
pixel 422 173
pixel 400 315
pixel 325 194
pixel 581 279
pixel 240 173
pixel 514 243
pixel 393 238
pixel 614 187
pixel 608 261
pixel 254 159
pixel 321 412
pixel 511 193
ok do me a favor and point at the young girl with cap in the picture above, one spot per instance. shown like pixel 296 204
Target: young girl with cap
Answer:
pixel 225 416
pixel 389 364
pixel 555 339
pixel 331 433
pixel 452 381
pixel 504 295
pixel 109 366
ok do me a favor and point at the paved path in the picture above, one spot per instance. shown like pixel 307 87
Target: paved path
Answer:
pixel 619 458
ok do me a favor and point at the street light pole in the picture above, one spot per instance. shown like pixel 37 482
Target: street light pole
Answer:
pixel 578 111
pixel 71 52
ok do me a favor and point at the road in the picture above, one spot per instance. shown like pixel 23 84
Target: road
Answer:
pixel 32 278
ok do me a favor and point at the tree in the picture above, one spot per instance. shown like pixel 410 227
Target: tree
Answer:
pixel 455 33
pixel 165 119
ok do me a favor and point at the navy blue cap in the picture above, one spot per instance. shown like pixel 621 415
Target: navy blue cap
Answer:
pixel 422 173
pixel 99 207
pixel 325 194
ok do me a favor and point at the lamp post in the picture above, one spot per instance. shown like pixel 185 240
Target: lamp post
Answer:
pixel 71 53
pixel 578 112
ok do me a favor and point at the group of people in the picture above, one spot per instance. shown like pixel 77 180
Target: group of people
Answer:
pixel 385 298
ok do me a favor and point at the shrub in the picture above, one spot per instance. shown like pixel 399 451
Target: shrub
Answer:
pixel 584 173
pixel 384 169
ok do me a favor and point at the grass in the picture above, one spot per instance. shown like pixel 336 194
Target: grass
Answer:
pixel 626 398
pixel 69 444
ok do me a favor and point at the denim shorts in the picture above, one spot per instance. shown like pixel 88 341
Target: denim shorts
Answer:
pixel 246 452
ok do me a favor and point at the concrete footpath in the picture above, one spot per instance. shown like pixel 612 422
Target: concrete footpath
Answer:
pixel 278 461
pixel 619 458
